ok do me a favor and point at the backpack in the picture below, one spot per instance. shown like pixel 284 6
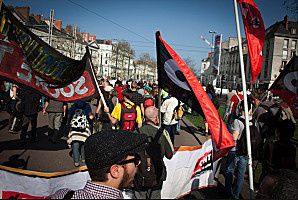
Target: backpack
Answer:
pixel 179 112
pixel 79 119
pixel 128 118
pixel 255 139
pixel 148 102
pixel 151 168
pixel 237 110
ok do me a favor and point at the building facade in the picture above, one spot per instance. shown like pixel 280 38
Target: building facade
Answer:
pixel 279 47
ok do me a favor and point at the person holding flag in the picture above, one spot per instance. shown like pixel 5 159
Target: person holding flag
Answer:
pixel 179 81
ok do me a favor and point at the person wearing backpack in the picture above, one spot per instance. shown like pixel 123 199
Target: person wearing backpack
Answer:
pixel 168 110
pixel 152 171
pixel 126 114
pixel 80 116
pixel 237 159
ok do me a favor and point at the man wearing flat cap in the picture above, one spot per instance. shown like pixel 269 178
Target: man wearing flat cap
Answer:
pixel 112 161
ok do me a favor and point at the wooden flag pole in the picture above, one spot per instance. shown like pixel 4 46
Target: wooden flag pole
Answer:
pixel 250 171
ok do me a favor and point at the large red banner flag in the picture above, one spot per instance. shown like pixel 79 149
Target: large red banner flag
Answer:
pixel 46 62
pixel 14 68
pixel 175 77
pixel 255 35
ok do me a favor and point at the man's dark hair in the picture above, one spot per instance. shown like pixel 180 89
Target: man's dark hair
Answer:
pixel 127 93
pixel 119 83
pixel 100 175
pixel 134 84
pixel 239 88
pixel 248 104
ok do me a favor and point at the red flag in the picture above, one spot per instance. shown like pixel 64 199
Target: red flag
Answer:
pixel 176 78
pixel 255 35
pixel 50 65
pixel 14 68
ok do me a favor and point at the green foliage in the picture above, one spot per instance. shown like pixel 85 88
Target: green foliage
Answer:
pixel 198 120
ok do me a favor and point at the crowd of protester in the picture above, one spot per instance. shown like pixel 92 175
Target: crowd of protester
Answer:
pixel 133 107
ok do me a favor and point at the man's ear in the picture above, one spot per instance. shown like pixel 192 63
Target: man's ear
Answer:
pixel 116 171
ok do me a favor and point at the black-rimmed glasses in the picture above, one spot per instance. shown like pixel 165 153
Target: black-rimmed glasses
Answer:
pixel 136 160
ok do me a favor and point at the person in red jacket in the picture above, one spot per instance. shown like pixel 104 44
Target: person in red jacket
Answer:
pixel 118 87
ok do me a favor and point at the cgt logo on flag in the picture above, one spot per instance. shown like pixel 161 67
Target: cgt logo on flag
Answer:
pixel 204 163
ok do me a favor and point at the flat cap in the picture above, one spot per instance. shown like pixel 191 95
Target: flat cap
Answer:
pixel 108 147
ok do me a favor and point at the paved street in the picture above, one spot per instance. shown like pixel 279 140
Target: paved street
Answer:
pixel 44 156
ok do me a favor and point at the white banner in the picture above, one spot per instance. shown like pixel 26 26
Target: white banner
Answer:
pixel 190 168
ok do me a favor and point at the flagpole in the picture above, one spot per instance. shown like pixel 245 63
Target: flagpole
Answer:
pixel 96 82
pixel 157 34
pixel 159 105
pixel 250 171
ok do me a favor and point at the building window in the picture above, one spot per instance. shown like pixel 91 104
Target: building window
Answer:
pixel 283 64
pixel 286 43
pixel 106 62
pixel 293 31
pixel 294 45
pixel 106 54
pixel 284 54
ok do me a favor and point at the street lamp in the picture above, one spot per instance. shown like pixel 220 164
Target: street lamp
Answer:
pixel 211 55
pixel 212 36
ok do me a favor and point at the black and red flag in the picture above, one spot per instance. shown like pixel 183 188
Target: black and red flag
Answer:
pixel 175 77
pixel 49 64
pixel 286 85
pixel 14 68
pixel 255 35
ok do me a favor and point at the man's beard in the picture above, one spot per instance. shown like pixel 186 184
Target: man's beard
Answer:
pixel 127 181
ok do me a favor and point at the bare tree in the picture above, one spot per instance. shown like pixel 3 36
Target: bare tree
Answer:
pixel 122 53
pixel 146 64
pixel 190 63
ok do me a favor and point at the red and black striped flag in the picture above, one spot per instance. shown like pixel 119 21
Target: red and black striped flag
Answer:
pixel 286 85
pixel 175 77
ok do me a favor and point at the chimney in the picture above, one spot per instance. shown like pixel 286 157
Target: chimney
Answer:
pixel 286 22
pixel 68 29
pixel 24 11
pixel 37 18
pixel 58 24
